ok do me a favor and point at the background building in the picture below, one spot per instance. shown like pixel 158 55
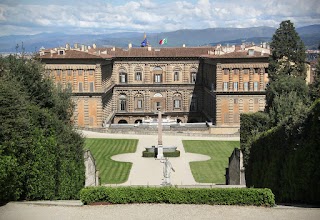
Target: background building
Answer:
pixel 116 85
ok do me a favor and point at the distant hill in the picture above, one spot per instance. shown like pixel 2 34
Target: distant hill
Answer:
pixel 190 37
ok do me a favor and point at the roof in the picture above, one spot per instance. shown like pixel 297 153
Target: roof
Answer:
pixel 238 54
pixel 69 54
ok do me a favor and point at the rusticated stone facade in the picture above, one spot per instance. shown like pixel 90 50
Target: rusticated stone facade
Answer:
pixel 113 85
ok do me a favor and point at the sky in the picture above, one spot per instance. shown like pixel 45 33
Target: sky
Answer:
pixel 25 17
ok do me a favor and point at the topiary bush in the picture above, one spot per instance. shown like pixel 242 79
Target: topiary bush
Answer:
pixel 172 195
pixel 165 154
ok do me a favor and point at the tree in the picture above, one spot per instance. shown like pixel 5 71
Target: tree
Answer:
pixel 287 53
pixel 41 156
pixel 287 87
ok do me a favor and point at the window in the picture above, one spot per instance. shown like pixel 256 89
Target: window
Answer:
pixel 58 72
pixel 177 103
pixel 246 71
pixel 236 71
pixel 245 86
pixel 80 72
pixel 91 72
pixel 193 77
pixel 122 77
pixel 80 87
pixel 235 86
pixel 69 86
pixel 123 104
pixel 61 52
pixel 158 105
pixel 91 86
pixel 255 86
pixel 176 76
pixel 225 86
pixel 139 103
pixel 138 76
pixel 158 78
pixel 226 71
pixel 69 72
pixel 256 70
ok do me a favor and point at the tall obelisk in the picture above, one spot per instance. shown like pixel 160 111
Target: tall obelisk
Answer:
pixel 160 147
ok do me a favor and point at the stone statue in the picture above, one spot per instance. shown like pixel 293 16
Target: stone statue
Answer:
pixel 166 171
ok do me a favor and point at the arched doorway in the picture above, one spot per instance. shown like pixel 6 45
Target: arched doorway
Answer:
pixel 138 121
pixel 122 121
pixel 179 120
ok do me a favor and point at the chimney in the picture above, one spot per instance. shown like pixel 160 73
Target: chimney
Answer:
pixel 183 45
pixel 129 45
pixel 250 52
pixel 82 47
pixel 67 46
pixel 76 45
pixel 94 46
pixel 243 46
pixel 85 48
pixel 113 49
pixel 149 47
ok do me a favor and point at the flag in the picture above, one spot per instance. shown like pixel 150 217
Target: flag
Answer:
pixel 145 41
pixel 163 41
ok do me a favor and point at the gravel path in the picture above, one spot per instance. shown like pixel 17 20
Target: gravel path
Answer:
pixel 14 210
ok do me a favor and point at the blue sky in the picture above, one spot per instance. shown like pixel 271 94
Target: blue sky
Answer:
pixel 109 16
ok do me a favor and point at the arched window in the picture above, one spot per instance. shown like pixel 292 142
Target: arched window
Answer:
pixel 193 75
pixel 157 75
pixel 138 74
pixel 123 102
pixel 176 74
pixel 138 100
pixel 122 75
pixel 177 101
pixel 193 103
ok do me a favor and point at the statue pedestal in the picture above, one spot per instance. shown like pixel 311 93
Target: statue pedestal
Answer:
pixel 160 152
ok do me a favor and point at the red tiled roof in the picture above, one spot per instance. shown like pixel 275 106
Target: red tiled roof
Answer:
pixel 156 52
pixel 70 54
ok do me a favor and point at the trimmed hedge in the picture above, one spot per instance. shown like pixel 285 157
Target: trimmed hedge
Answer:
pixel 172 195
pixel 165 154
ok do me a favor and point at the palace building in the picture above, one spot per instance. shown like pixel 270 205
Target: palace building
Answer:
pixel 188 84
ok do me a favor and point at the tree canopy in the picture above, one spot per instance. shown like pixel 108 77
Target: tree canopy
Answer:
pixel 40 153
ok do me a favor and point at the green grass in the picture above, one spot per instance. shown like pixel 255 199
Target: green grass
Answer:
pixel 103 149
pixel 213 170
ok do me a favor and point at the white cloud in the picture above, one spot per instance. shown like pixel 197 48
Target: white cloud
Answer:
pixel 152 15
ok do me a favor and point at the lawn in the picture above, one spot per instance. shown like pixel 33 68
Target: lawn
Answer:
pixel 213 170
pixel 103 149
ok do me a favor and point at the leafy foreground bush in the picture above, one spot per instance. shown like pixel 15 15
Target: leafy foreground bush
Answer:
pixel 217 196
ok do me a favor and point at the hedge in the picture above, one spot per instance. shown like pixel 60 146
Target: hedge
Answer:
pixel 165 154
pixel 286 160
pixel 173 195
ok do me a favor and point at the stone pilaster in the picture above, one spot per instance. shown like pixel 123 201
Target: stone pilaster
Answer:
pixel 85 86
pixel 261 79
pixel 86 112
pixel 98 78
pixel 231 104
pixel 230 79
pixel 99 112
pixel 251 106
pixel 147 101
pixel 241 79
pixel 185 73
pixel 75 83
pixel 218 112
pixel 219 78
pixel 251 79
pixel 147 74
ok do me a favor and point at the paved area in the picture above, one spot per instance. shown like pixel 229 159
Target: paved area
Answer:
pixel 149 171
pixel 25 211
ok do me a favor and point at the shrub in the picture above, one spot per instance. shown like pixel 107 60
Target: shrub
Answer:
pixel 172 195
pixel 165 154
